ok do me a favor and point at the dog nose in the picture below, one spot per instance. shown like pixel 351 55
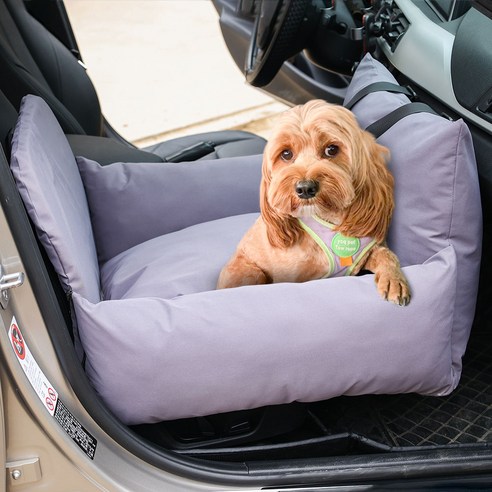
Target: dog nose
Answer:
pixel 307 188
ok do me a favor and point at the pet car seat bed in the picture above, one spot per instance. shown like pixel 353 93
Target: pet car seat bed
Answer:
pixel 140 247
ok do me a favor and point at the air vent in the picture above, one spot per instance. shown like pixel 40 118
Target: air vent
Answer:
pixel 396 24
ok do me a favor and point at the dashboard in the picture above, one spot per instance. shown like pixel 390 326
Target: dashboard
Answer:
pixel 449 59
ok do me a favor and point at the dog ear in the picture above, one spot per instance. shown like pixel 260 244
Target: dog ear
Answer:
pixel 282 232
pixel 370 214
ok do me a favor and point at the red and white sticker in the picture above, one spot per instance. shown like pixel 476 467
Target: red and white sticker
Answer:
pixel 38 380
pixel 17 341
pixel 47 394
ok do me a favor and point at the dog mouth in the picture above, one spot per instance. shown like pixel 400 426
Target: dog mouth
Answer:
pixel 330 205
pixel 332 216
pixel 304 210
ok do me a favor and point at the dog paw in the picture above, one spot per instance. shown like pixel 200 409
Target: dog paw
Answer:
pixel 393 288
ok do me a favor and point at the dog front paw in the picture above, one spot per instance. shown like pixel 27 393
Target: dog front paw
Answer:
pixel 393 287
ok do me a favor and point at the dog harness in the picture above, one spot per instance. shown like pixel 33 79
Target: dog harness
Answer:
pixel 343 253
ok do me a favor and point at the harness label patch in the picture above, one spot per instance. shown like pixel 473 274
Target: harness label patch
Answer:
pixel 344 246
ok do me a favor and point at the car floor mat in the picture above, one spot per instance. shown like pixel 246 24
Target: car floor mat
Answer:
pixel 399 421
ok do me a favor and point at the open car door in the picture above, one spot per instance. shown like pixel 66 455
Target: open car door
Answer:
pixel 2 444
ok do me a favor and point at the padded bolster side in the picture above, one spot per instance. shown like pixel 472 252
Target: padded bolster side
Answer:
pixel 132 203
pixel 50 185
pixel 248 347
pixel 437 194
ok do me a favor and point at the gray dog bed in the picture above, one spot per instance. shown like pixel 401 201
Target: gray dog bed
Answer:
pixel 140 247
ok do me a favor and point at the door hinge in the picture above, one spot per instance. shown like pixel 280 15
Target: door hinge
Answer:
pixel 23 471
pixel 7 282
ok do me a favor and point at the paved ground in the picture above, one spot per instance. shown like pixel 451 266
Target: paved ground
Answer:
pixel 161 69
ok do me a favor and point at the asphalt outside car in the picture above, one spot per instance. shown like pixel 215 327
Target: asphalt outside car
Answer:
pixel 162 69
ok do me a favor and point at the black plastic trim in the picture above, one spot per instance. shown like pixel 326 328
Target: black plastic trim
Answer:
pixel 471 64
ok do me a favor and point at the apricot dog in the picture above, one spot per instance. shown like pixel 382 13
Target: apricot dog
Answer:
pixel 326 200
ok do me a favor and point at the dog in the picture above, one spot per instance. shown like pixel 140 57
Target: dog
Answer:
pixel 326 200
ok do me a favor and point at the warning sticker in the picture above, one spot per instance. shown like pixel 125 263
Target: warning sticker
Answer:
pixel 17 342
pixel 36 377
pixel 48 395
pixel 85 441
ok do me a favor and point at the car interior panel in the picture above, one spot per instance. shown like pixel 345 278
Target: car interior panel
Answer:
pixel 434 415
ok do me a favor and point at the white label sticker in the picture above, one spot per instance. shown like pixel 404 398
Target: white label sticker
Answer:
pixel 47 394
pixel 36 376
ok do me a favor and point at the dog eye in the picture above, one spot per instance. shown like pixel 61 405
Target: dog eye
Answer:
pixel 331 150
pixel 286 155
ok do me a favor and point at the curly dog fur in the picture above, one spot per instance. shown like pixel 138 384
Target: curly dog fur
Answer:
pixel 319 162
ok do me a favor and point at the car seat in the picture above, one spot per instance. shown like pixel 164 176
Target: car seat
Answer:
pixel 34 61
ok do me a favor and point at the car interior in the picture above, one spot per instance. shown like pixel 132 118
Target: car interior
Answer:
pixel 36 62
pixel 39 56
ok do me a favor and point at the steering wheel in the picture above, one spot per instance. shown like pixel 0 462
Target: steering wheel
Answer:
pixel 281 30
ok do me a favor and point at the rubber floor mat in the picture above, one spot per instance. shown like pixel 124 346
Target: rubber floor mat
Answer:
pixel 463 417
pixel 411 420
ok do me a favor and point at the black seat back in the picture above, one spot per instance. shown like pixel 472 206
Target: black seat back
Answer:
pixel 33 61
pixel 8 117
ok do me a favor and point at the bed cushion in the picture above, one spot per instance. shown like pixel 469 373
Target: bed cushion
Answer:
pixel 175 264
pixel 164 344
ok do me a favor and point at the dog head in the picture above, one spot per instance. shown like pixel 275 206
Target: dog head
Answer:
pixel 320 162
